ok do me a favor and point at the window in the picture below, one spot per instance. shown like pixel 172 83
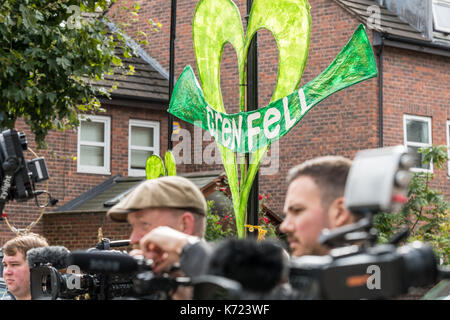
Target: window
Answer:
pixel 448 144
pixel 441 15
pixel 417 132
pixel 94 144
pixel 143 142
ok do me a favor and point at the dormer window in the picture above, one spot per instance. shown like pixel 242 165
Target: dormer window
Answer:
pixel 441 15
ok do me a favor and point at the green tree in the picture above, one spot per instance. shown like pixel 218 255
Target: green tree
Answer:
pixel 427 212
pixel 51 52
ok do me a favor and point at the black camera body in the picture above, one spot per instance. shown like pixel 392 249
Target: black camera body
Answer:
pixel 18 176
pixel 47 283
pixel 100 274
pixel 379 272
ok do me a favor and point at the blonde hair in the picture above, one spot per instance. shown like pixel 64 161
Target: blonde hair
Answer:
pixel 23 243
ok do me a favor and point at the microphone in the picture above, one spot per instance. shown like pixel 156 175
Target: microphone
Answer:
pixel 54 255
pixel 103 261
pixel 257 266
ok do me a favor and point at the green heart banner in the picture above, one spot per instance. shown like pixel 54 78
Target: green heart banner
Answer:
pixel 217 23
pixel 246 132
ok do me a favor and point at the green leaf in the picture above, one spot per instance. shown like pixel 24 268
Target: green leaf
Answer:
pixel 154 167
pixel 170 163
pixel 63 62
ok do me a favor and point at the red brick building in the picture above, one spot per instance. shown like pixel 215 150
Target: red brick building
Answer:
pixel 409 103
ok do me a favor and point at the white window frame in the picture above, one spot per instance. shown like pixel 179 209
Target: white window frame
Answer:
pixel 437 27
pixel 448 145
pixel 106 145
pixel 418 144
pixel 156 136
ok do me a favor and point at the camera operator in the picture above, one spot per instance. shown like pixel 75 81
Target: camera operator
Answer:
pixel 167 201
pixel 16 271
pixel 315 201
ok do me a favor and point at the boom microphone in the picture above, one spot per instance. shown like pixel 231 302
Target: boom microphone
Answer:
pixel 54 255
pixel 103 261
pixel 257 266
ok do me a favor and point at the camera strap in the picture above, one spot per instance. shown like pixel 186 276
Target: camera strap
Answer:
pixel 4 191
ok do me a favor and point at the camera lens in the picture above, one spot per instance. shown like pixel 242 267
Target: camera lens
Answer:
pixel 46 284
pixel 419 264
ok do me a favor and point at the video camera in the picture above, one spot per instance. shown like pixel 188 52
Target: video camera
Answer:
pixel 18 176
pixel 108 274
pixel 358 268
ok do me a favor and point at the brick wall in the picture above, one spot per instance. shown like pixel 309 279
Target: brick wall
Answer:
pixel 80 231
pixel 417 84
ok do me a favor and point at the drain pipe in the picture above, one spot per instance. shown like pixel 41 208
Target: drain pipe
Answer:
pixel 380 84
pixel 173 23
pixel 252 104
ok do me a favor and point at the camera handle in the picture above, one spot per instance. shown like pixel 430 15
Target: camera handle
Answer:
pixel 106 244
pixel 361 231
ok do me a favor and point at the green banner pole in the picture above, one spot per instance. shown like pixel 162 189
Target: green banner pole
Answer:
pixel 252 104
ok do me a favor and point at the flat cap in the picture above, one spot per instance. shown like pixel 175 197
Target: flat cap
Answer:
pixel 165 192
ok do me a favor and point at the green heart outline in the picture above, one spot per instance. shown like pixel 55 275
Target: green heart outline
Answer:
pixel 218 22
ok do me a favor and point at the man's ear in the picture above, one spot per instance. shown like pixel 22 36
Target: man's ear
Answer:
pixel 186 223
pixel 338 214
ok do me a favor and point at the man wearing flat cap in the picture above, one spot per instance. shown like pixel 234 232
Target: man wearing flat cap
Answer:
pixel 167 201
pixel 173 202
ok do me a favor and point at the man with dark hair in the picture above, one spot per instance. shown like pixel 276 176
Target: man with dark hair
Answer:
pixel 16 271
pixel 315 201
